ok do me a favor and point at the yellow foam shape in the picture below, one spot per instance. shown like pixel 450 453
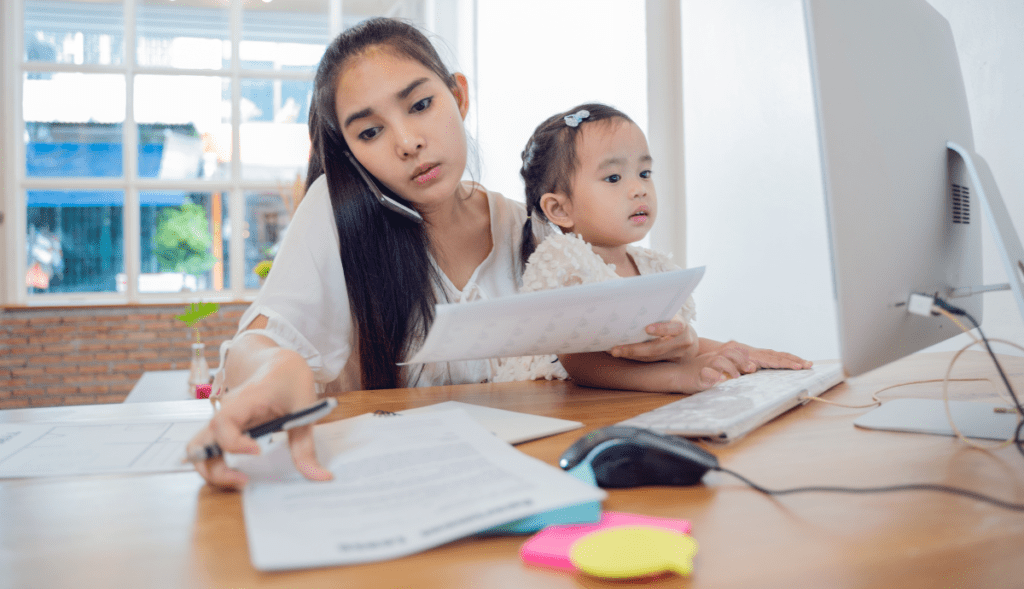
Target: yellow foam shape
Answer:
pixel 626 552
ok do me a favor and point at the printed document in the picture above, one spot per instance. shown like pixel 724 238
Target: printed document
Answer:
pixel 401 485
pixel 575 319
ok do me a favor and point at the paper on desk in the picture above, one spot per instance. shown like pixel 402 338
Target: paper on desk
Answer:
pixel 102 447
pixel 585 318
pixel 511 426
pixel 401 486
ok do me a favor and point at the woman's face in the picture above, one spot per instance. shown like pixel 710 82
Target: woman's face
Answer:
pixel 404 124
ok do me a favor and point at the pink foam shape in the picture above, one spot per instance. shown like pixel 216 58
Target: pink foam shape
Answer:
pixel 550 546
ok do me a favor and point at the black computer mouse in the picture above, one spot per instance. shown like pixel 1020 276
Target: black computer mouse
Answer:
pixel 626 456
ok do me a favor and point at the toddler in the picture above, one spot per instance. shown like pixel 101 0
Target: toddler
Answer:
pixel 588 171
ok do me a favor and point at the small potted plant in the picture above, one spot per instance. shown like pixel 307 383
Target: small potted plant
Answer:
pixel 199 370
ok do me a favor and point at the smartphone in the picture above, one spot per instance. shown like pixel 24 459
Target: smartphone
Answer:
pixel 387 202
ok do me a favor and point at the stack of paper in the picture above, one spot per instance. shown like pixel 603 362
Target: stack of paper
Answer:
pixel 401 485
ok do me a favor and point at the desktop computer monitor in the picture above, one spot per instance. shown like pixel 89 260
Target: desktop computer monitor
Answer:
pixel 905 192
pixel 902 183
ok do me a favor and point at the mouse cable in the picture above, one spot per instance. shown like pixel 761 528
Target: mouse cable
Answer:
pixel 953 310
pixel 883 489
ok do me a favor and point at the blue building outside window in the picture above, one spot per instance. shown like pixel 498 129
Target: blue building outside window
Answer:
pixel 75 241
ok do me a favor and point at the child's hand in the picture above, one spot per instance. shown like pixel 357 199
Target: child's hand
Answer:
pixel 674 341
pixel 705 371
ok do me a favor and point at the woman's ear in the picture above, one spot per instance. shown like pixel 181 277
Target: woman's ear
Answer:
pixel 461 93
pixel 558 209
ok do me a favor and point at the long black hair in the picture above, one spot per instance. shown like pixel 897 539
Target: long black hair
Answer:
pixel 386 257
pixel 550 161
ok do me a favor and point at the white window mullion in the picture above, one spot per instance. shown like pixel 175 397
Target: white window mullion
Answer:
pixel 665 122
pixel 236 208
pixel 13 229
pixel 43 66
pixel 130 155
pixel 336 10
pixel 101 183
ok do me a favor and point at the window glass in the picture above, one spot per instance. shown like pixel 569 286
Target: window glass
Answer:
pixel 183 241
pixel 216 112
pixel 274 134
pixel 286 34
pixel 184 126
pixel 190 34
pixel 266 219
pixel 74 31
pixel 80 137
pixel 73 241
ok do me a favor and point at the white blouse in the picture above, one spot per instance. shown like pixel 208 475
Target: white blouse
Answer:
pixel 306 302
pixel 567 260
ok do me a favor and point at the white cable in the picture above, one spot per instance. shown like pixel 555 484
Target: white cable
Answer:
pixel 949 414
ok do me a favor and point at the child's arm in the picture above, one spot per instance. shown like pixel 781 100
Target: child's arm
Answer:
pixel 602 370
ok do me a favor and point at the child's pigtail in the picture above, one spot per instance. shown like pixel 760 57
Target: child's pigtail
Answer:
pixel 528 245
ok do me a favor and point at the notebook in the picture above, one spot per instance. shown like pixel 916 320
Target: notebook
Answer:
pixel 735 407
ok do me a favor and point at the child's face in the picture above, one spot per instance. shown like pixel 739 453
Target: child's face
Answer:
pixel 404 124
pixel 613 202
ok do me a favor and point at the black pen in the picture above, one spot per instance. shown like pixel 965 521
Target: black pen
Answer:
pixel 305 416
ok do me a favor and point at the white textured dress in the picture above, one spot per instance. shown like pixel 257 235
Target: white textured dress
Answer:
pixel 567 260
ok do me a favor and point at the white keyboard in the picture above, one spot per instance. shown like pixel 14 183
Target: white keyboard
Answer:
pixel 735 407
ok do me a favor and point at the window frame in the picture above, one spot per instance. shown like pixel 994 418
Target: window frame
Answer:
pixel 16 183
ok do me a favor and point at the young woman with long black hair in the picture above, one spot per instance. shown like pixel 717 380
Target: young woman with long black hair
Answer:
pixel 353 286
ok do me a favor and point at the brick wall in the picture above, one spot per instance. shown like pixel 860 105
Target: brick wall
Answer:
pixel 75 355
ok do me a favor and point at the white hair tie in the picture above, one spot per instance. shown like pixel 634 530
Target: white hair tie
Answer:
pixel 574 120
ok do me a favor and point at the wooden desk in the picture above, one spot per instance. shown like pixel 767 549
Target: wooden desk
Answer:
pixel 172 531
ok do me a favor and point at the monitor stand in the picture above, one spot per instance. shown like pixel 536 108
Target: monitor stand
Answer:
pixel 928 416
pixel 974 420
pixel 1007 242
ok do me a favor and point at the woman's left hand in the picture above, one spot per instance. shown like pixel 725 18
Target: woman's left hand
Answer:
pixel 673 341
pixel 677 342
pixel 765 358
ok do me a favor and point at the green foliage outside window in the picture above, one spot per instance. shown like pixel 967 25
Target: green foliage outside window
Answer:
pixel 183 240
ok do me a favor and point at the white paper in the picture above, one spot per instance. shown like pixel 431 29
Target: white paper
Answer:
pixel 585 318
pixel 511 426
pixel 63 449
pixel 402 485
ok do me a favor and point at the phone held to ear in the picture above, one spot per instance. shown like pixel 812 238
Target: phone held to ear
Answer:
pixel 387 202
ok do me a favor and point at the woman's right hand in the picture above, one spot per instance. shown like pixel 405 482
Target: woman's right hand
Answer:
pixel 279 383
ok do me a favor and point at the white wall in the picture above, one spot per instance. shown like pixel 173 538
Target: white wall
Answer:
pixel 755 210
pixel 538 57
pixel 754 200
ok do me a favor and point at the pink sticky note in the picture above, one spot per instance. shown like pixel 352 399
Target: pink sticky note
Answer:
pixel 550 546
